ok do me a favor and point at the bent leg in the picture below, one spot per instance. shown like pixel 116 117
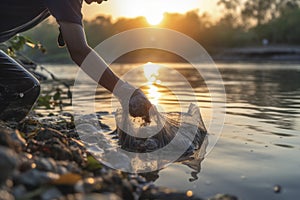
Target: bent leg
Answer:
pixel 19 89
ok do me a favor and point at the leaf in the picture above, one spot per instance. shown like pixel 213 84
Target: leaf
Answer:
pixel 57 96
pixel 45 101
pixel 67 179
pixel 92 163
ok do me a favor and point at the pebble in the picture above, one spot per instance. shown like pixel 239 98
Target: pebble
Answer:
pixel 223 197
pixel 46 164
pixel 52 193
pixel 8 163
pixel 19 191
pixel 96 196
pixel 277 188
pixel 10 139
pixel 6 195
pixel 48 154
pixel 35 178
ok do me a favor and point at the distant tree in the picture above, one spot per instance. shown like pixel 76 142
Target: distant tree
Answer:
pixel 258 12
pixel 98 29
pixel 231 11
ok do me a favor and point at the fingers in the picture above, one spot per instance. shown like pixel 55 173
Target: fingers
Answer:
pixel 139 105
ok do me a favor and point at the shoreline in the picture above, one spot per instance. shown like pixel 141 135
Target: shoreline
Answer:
pixel 271 53
pixel 251 54
pixel 45 159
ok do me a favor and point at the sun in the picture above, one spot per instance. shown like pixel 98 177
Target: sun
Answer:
pixel 154 18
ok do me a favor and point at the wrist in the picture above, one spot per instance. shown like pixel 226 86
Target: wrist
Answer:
pixel 123 90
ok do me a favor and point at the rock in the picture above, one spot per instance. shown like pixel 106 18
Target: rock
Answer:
pixel 11 139
pixel 52 193
pixel 69 166
pixel 224 197
pixel 49 133
pixel 29 125
pixel 19 191
pixel 8 163
pixel 34 178
pixel 109 183
pixel 6 195
pixel 95 196
pixel 46 164
pixel 165 194
pixel 277 188
pixel 52 143
pixel 88 185
pixel 26 163
pixel 16 136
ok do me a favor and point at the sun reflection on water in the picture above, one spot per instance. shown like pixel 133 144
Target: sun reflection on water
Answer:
pixel 154 94
pixel 151 73
pixel 155 89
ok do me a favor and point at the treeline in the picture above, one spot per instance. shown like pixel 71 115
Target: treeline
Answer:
pixel 241 24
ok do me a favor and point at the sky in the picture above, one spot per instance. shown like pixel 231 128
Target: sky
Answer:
pixel 148 8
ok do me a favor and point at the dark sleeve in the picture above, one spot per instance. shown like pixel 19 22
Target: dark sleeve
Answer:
pixel 65 10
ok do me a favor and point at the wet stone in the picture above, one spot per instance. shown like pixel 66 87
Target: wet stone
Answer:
pixel 25 164
pixel 224 197
pixel 57 149
pixel 11 139
pixel 8 163
pixel 34 178
pixel 46 164
pixel 165 193
pixel 19 191
pixel 48 133
pixel 6 195
pixel 277 189
pixel 95 196
pixel 52 193
pixel 51 157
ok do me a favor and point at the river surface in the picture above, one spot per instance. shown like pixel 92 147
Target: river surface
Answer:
pixel 257 155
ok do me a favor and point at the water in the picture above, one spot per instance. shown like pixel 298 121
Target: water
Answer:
pixel 260 142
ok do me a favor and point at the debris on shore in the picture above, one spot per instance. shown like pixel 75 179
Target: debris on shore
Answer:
pixel 43 158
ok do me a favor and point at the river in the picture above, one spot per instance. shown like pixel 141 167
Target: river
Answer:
pixel 257 153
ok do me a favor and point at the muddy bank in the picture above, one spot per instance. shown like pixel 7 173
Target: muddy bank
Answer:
pixel 43 158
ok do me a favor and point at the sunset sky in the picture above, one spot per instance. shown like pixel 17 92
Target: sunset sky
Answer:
pixel 151 9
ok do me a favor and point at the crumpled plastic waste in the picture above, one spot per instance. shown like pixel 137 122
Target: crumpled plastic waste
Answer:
pixel 135 136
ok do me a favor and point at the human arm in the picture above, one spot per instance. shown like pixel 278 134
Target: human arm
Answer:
pixel 85 57
pixel 94 66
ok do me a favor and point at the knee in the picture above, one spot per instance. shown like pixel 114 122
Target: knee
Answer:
pixel 36 90
pixel 34 87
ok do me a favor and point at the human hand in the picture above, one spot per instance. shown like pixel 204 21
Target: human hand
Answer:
pixel 139 105
pixel 133 100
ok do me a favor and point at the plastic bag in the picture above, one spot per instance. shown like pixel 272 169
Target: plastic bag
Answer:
pixel 134 136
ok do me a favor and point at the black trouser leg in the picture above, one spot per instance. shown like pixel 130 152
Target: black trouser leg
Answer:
pixel 18 89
